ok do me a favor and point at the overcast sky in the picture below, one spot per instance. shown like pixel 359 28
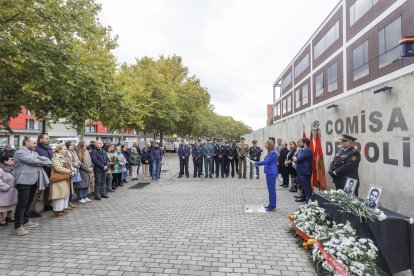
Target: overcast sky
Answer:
pixel 237 48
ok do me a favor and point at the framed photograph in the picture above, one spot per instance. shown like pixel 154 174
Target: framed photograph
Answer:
pixel 373 196
pixel 350 186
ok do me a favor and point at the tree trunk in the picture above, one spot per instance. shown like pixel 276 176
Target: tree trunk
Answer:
pixel 81 131
pixel 161 137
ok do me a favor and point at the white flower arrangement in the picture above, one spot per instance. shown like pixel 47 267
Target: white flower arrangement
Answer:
pixel 310 216
pixel 357 255
pixel 352 204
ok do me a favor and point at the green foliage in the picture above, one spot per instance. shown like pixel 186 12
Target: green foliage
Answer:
pixel 56 60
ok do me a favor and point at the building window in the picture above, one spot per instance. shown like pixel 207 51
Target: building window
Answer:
pixel 319 85
pixel 289 103
pixel 276 92
pixel 16 141
pixel 359 9
pixel 360 61
pixel 305 94
pixel 4 140
pixel 277 110
pixel 287 81
pixel 332 77
pixel 389 37
pixel 284 106
pixel 327 40
pixel 30 124
pixel 302 66
pixel 90 129
pixel 297 97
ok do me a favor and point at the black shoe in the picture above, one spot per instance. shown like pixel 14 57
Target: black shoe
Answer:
pixel 270 208
pixel 281 185
pixel 296 196
pixel 239 177
pixel 222 176
pixel 251 177
pixel 124 180
pixel 199 176
pixel 105 196
pixel 211 176
pixel 285 186
pixel 34 214
pixel 244 177
pixel 300 200
pixel 97 198
pixel 217 176
pixel 188 176
pixel 180 176
pixel 111 191
pixel 194 176
pixel 48 208
pixel 292 190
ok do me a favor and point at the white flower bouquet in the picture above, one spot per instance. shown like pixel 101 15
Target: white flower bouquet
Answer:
pixel 356 255
pixel 353 205
pixel 307 217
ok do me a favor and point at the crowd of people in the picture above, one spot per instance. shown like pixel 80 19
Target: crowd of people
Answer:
pixel 97 169
pixel 84 171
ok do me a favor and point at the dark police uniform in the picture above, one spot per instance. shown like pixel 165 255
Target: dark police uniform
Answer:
pixel 183 154
pixel 345 164
pixel 254 154
pixel 197 154
pixel 218 155
pixel 231 156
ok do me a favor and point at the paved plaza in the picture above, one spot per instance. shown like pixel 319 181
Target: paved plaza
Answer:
pixel 174 226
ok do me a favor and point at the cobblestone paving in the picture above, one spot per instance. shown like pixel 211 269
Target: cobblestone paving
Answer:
pixel 173 227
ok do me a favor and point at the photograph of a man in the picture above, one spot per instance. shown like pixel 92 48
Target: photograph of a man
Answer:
pixel 373 197
pixel 350 186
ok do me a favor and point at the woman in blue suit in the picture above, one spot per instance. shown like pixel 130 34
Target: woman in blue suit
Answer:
pixel 270 169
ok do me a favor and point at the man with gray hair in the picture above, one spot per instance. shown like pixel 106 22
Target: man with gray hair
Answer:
pixel 28 172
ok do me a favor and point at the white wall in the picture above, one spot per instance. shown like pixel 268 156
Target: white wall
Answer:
pixel 393 170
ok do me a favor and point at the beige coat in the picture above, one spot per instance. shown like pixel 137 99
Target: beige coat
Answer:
pixel 63 188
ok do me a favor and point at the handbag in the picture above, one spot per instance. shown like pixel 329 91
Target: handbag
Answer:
pixel 57 176
pixel 76 177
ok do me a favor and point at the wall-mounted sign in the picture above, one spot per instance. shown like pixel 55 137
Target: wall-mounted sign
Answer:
pixel 407 46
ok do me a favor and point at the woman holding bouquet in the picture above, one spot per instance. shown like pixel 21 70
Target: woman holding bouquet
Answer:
pixel 270 169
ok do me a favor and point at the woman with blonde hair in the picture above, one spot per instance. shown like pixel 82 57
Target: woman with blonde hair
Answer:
pixel 270 169
pixel 60 187
pixel 86 173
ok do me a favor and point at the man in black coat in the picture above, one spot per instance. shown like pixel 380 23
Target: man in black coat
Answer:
pixel 345 163
pixel 282 169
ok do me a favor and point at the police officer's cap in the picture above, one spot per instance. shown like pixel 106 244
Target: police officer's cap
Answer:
pixel 346 137
pixel 242 138
pixel 254 141
pixel 208 138
pixel 199 140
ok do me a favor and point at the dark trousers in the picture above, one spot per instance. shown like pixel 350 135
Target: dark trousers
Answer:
pixel 218 166
pixel 236 163
pixel 230 163
pixel 224 167
pixel 100 183
pixel 184 167
pixel 271 188
pixel 294 180
pixel 285 177
pixel 25 195
pixel 305 181
pixel 116 180
pixel 198 167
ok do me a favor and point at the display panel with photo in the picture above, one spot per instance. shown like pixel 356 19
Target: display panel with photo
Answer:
pixel 373 196
pixel 350 186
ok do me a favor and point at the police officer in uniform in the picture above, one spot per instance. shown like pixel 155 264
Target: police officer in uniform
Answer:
pixel 242 151
pixel 231 156
pixel 254 153
pixel 218 151
pixel 197 153
pixel 345 163
pixel 183 154
pixel 236 158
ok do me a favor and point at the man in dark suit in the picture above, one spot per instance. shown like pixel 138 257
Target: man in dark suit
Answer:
pixel 304 170
pixel 100 165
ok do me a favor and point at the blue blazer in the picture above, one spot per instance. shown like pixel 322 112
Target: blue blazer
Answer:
pixel 269 163
pixel 304 162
